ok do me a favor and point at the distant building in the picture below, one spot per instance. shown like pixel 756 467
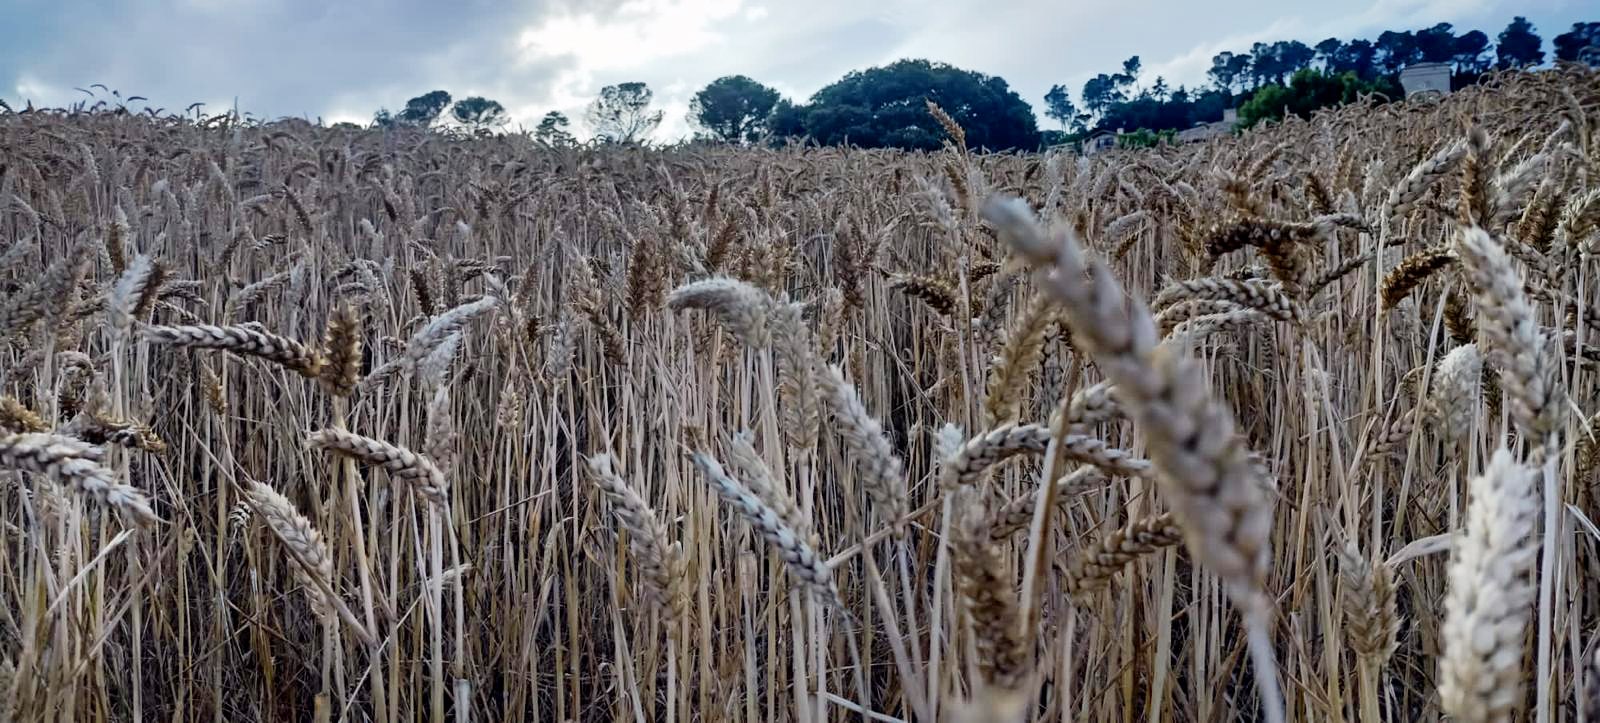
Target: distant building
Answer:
pixel 1426 79
pixel 1098 141
pixel 1207 131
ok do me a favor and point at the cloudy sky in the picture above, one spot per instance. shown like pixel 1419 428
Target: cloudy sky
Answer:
pixel 342 59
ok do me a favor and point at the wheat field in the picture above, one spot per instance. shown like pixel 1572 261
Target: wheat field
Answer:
pixel 322 424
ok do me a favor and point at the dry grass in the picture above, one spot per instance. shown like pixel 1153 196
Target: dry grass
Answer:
pixel 745 435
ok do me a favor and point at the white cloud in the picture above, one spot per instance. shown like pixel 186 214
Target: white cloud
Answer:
pixel 635 36
pixel 637 33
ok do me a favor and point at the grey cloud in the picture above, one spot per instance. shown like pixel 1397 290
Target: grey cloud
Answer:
pixel 278 58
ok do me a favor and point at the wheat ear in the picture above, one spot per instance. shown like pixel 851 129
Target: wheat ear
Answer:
pixel 1489 596
pixel 659 560
pixel 417 471
pixel 753 471
pixel 1507 322
pixel 1009 440
pixel 244 340
pixel 1457 384
pixel 14 417
pixel 1019 354
pixel 1094 566
pixel 740 307
pixel 1256 294
pixel 313 565
pixel 1410 273
pixel 341 346
pixel 1017 513
pixel 989 600
pixel 1367 597
pixel 798 555
pixel 797 376
pixel 882 474
pixel 1214 491
pixel 76 464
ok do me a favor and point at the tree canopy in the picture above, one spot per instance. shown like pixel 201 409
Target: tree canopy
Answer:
pixel 885 107
pixel 622 113
pixel 1276 71
pixel 1059 106
pixel 478 113
pixel 1307 91
pixel 1519 45
pixel 1571 44
pixel 733 109
pixel 424 109
pixel 555 131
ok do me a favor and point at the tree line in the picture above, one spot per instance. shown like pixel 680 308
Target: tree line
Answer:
pixel 886 106
pixel 1270 79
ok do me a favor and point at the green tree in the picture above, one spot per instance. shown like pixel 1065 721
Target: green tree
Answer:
pixel 1058 106
pixel 1357 56
pixel 1228 69
pixel 1263 64
pixel 1101 92
pixel 1469 50
pixel 1292 55
pixel 1129 77
pixel 1437 44
pixel 554 131
pixel 622 113
pixel 424 109
pixel 1519 45
pixel 1144 138
pixel 884 107
pixel 1396 50
pixel 1159 89
pixel 1571 44
pixel 786 121
pixel 733 109
pixel 479 114
pixel 1327 51
pixel 1307 91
